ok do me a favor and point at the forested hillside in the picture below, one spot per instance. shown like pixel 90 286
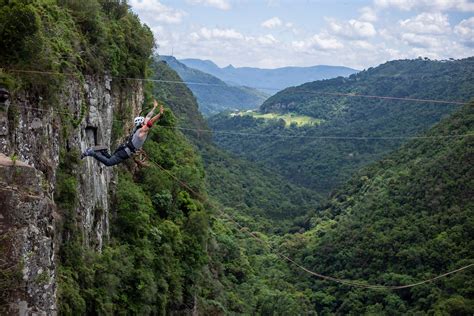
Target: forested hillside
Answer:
pixel 353 131
pixel 253 190
pixel 403 219
pixel 186 228
pixel 241 275
pixel 178 97
pixel 214 95
pixel 399 221
pixel 236 183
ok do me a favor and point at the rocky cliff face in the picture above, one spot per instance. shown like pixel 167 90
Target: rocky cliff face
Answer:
pixel 32 135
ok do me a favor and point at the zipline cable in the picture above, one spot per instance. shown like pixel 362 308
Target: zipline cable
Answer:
pixel 278 135
pixel 324 137
pixel 285 257
pixel 321 276
pixel 268 88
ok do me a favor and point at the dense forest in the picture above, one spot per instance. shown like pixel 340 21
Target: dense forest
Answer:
pixel 320 157
pixel 398 221
pixel 403 219
pixel 196 229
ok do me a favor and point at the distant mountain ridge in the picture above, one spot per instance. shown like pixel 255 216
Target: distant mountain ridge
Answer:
pixel 268 80
pixel 214 95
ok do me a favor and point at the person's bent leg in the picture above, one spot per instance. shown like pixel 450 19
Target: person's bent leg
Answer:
pixel 115 159
pixel 105 152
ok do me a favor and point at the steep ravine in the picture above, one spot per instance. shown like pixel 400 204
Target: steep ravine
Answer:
pixel 33 137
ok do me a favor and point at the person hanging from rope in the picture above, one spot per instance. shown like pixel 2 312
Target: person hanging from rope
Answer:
pixel 135 141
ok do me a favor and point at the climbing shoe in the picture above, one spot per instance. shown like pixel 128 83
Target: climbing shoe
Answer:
pixel 88 152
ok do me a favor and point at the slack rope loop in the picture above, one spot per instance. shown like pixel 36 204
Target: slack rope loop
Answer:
pixel 355 95
pixel 355 138
pixel 299 266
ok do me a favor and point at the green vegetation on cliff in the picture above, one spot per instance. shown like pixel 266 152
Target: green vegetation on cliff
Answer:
pixel 90 36
pixel 153 261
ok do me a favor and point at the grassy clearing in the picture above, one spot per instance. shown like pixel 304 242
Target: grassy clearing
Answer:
pixel 289 118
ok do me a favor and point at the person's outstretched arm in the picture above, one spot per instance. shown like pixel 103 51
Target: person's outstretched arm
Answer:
pixel 149 120
pixel 150 114
pixel 156 117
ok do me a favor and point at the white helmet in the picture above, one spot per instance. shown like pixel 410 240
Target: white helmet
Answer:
pixel 139 120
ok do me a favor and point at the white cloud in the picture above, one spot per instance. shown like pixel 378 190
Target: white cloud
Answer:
pixel 427 23
pixel 272 23
pixel 352 29
pixel 365 40
pixel 152 11
pixel 223 36
pixel 368 14
pixel 418 40
pixel 216 33
pixel 436 5
pixel 465 30
pixel 268 39
pixel 363 45
pixel 219 4
pixel 318 42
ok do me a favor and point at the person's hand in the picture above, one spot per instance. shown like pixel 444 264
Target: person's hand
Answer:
pixel 161 110
pixel 155 104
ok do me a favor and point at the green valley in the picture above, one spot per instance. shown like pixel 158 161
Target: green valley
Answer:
pixel 354 131
pixel 321 202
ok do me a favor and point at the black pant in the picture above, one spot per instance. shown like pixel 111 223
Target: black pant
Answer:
pixel 104 157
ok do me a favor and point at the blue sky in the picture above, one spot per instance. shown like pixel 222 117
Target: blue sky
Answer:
pixel 278 33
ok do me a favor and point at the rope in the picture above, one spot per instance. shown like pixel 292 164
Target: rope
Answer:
pixel 324 137
pixel 319 275
pixel 267 88
pixel 299 266
pixel 280 135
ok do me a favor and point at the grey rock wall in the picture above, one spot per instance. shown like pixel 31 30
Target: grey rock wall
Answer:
pixel 26 230
pixel 28 215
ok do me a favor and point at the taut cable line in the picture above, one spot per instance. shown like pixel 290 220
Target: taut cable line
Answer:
pixel 324 137
pixel 355 95
pixel 285 257
pixel 355 138
pixel 299 266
